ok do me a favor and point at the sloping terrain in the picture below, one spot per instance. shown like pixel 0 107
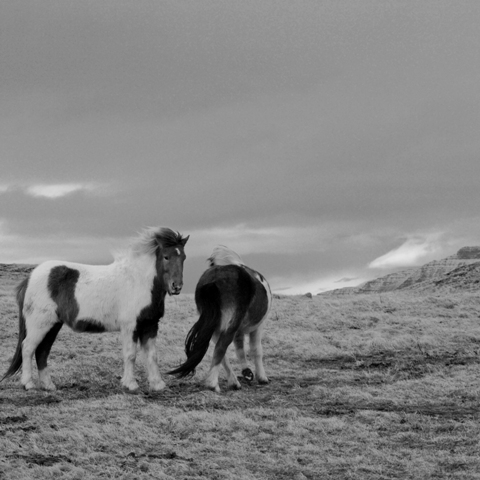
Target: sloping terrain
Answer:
pixel 464 278
pixel 448 271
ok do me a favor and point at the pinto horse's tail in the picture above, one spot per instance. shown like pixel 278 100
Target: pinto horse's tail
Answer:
pixel 16 362
pixel 208 299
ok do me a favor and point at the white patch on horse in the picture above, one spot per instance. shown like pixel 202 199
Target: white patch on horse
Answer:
pixel 227 315
pixel 222 255
pixel 266 286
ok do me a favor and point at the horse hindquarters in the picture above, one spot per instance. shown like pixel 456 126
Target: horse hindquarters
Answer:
pixel 17 360
pixel 237 291
pixel 35 336
pixel 38 328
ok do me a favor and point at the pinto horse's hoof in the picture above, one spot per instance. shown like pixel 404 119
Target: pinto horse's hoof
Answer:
pixel 49 386
pixel 247 374
pixel 215 389
pixel 157 386
pixel 29 385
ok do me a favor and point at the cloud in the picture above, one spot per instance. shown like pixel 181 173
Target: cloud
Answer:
pixel 34 249
pixel 56 190
pixel 59 190
pixel 278 239
pixel 298 285
pixel 345 280
pixel 414 251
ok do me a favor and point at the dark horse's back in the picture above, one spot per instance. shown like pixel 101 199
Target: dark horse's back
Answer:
pixel 238 287
pixel 222 290
pixel 231 285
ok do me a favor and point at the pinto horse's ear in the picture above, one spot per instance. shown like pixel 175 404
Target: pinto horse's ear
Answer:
pixel 184 241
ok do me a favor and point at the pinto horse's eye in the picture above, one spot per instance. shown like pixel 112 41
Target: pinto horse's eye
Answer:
pixel 165 257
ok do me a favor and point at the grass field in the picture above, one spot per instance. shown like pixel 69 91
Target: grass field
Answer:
pixel 362 387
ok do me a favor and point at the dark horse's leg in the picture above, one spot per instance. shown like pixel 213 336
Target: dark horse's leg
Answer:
pixel 239 341
pixel 223 340
pixel 257 353
pixel 232 380
pixel 42 328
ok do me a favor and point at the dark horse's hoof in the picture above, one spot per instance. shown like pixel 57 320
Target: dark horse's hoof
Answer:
pixel 247 374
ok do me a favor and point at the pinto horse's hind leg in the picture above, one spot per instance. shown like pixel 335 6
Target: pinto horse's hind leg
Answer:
pixel 39 336
pixel 256 350
pixel 41 356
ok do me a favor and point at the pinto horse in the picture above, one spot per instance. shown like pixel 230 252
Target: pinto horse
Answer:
pixel 233 300
pixel 127 296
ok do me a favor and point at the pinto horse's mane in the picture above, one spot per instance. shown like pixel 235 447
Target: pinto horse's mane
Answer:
pixel 222 255
pixel 150 238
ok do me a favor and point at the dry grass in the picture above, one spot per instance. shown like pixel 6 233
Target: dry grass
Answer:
pixel 362 387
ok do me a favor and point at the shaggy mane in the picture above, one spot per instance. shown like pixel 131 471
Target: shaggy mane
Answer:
pixel 222 255
pixel 149 238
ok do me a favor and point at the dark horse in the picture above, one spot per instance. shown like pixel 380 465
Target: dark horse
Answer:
pixel 233 300
pixel 127 296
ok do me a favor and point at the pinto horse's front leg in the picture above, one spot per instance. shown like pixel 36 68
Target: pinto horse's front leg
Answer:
pixel 154 377
pixel 129 356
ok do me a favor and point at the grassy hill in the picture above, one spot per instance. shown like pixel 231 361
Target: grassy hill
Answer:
pixel 362 387
pixel 428 277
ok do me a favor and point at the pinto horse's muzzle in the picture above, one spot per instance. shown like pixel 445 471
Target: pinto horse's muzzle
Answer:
pixel 175 288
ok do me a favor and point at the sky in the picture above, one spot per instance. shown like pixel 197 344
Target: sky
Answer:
pixel 326 142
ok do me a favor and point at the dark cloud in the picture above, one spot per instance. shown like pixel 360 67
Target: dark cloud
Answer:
pixel 359 116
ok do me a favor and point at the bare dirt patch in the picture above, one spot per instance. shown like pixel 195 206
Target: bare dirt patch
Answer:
pixel 404 364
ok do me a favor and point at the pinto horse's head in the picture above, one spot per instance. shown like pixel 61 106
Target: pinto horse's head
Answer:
pixel 170 260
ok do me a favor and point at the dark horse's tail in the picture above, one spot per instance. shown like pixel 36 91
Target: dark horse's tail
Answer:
pixel 208 299
pixel 22 332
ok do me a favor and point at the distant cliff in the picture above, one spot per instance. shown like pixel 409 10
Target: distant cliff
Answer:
pixel 463 269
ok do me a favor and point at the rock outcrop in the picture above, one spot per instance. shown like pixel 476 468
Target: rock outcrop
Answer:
pixel 463 266
pixel 469 253
pixel 465 278
pixel 386 283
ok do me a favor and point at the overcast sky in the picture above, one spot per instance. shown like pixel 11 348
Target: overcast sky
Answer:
pixel 327 142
